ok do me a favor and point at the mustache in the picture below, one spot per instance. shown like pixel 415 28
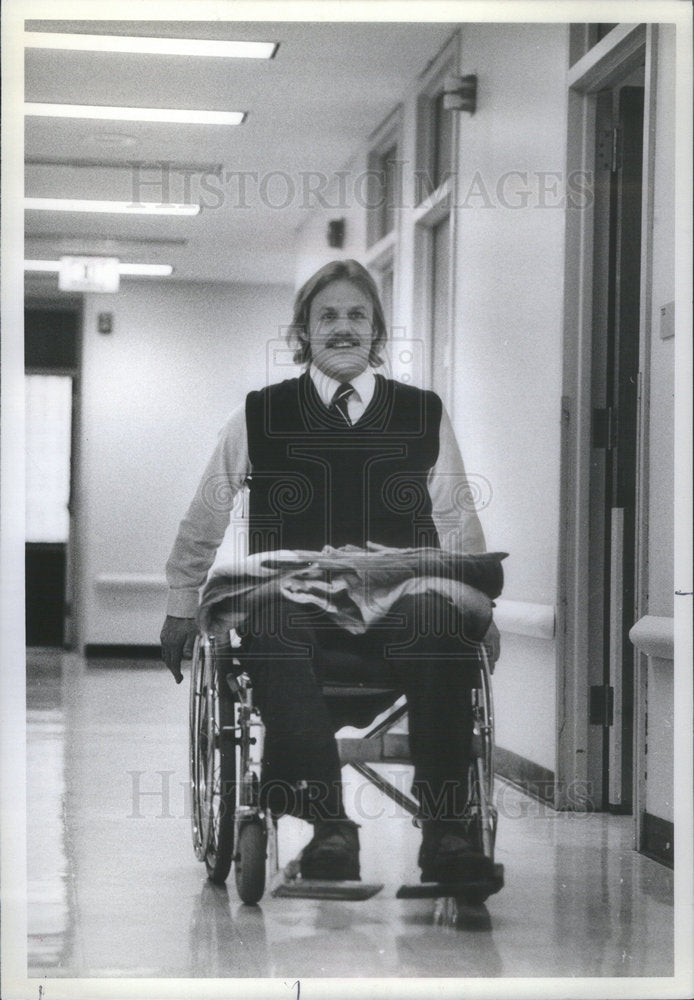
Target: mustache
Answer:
pixel 341 338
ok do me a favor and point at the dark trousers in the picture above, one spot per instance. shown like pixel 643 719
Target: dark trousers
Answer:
pixel 290 651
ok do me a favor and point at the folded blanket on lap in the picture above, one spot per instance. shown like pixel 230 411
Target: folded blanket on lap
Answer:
pixel 356 587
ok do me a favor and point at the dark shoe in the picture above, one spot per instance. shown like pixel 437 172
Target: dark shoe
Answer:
pixel 333 853
pixel 446 855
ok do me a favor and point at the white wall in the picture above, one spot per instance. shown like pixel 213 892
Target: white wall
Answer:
pixel 312 249
pixel 662 357
pixel 508 342
pixel 154 395
pixel 661 459
pixel 660 785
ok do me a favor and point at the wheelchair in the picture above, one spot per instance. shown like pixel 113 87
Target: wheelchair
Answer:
pixel 229 825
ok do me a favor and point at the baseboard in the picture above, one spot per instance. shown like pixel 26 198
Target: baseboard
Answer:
pixel 533 779
pixel 658 839
pixel 101 651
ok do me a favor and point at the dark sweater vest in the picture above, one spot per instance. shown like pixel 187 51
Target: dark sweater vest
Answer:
pixel 317 481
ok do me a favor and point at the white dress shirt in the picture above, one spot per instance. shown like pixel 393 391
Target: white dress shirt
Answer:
pixel 202 529
pixel 364 386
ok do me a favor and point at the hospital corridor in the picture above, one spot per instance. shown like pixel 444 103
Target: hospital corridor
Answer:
pixel 115 891
pixel 388 321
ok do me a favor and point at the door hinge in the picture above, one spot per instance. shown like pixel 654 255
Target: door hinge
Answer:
pixel 608 154
pixel 604 428
pixel 601 712
pixel 616 150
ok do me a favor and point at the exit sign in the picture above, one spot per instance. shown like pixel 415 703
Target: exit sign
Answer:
pixel 89 274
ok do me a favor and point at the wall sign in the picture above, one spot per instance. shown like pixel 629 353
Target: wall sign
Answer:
pixel 89 274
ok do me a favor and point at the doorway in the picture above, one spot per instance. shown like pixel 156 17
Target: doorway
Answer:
pixel 50 382
pixel 614 427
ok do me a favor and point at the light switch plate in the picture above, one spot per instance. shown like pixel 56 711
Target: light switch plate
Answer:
pixel 667 321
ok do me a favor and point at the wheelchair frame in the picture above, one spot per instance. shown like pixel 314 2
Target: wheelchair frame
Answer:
pixel 226 747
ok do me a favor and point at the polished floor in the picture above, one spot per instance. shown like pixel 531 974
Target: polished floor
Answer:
pixel 115 891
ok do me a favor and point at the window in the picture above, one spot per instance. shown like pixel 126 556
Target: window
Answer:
pixel 387 170
pixel 435 127
pixel 386 282
pixel 383 271
pixel 439 299
pixel 383 186
pixel 436 135
pixel 441 140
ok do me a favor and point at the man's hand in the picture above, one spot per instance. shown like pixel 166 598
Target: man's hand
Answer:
pixel 176 638
pixel 492 643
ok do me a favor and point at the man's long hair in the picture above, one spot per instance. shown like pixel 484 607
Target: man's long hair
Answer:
pixel 336 270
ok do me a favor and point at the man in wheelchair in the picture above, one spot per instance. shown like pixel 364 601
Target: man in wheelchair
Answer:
pixel 344 458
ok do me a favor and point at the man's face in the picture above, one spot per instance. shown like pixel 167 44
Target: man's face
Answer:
pixel 341 330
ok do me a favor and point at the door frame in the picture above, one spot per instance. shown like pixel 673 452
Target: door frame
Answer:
pixel 578 746
pixel 73 618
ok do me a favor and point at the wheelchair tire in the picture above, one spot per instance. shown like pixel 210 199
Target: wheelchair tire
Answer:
pixel 221 851
pixel 249 866
pixel 212 766
pixel 482 816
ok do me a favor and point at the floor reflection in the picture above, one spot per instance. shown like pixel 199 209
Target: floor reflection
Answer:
pixel 229 939
pixel 114 889
pixel 222 945
pixel 49 912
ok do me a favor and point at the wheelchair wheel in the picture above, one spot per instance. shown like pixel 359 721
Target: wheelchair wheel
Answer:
pixel 249 866
pixel 212 766
pixel 481 813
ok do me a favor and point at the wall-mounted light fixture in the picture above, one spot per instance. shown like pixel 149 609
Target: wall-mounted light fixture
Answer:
pixel 336 233
pixel 460 93
pixel 104 323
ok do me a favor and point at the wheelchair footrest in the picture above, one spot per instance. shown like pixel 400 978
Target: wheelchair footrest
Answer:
pixel 300 888
pixel 488 883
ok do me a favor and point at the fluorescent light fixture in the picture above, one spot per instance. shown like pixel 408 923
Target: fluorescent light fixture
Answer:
pixel 135 114
pixel 150 46
pixel 45 266
pixel 151 270
pixel 118 207
pixel 146 270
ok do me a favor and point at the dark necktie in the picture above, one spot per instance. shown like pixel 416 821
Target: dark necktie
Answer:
pixel 339 401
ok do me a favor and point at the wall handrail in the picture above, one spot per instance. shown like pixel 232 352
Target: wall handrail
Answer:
pixel 654 635
pixel 130 581
pixel 525 618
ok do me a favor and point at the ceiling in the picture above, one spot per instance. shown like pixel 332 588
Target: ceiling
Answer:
pixel 308 110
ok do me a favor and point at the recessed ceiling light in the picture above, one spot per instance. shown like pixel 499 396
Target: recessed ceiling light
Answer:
pixel 119 207
pixel 176 115
pixel 150 46
pixel 145 270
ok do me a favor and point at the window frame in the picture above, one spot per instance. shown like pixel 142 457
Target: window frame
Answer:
pixel 386 137
pixel 431 208
pixel 426 120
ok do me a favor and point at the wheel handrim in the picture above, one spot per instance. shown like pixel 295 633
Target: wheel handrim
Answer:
pixel 205 756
